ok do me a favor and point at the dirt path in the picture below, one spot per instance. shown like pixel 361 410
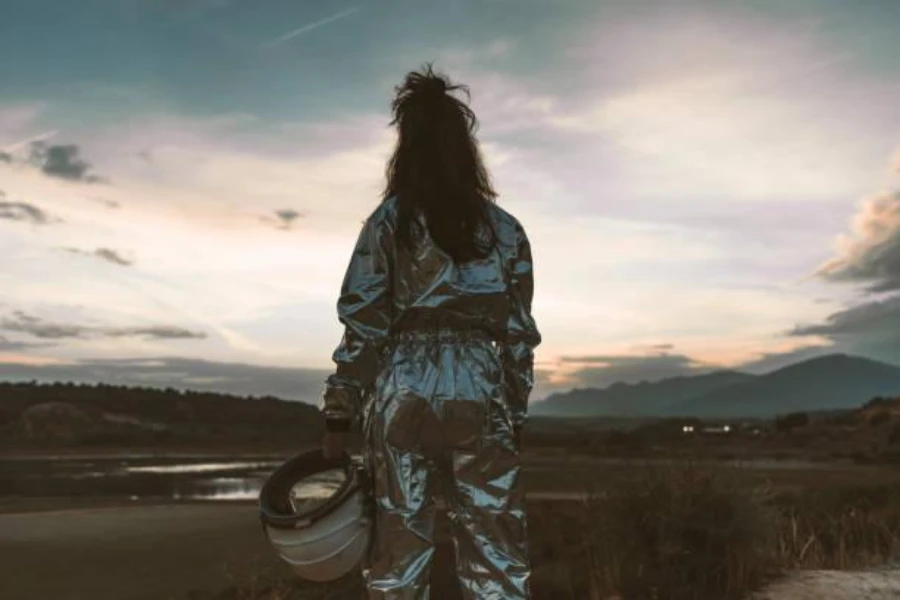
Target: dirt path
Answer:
pixel 835 585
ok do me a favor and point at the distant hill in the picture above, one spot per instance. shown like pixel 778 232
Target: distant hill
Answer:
pixel 643 399
pixel 71 414
pixel 836 381
pixel 829 382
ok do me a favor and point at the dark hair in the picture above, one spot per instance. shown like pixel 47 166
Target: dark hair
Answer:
pixel 436 168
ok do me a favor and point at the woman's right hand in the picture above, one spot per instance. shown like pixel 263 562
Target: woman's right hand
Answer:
pixel 333 444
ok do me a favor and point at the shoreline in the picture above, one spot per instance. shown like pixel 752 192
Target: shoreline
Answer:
pixel 187 451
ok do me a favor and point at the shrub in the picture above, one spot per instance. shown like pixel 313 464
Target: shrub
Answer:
pixel 839 528
pixel 894 438
pixel 677 534
pixel 683 534
pixel 880 418
pixel 791 421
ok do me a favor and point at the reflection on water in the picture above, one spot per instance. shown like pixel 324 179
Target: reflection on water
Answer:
pixel 137 478
pixel 199 478
pixel 200 468
pixel 222 488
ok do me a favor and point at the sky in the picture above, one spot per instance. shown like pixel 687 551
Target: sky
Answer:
pixel 706 184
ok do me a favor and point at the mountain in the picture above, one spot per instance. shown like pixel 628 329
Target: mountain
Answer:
pixel 636 400
pixel 835 381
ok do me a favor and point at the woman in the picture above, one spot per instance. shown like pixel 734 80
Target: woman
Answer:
pixel 437 356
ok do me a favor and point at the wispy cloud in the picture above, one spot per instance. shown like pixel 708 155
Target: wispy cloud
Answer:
pixel 8 345
pixel 311 26
pixel 21 322
pixel 107 254
pixel 22 211
pixel 872 254
pixel 63 162
pixel 195 374
pixel 284 218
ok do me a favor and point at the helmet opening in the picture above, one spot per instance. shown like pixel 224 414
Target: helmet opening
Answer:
pixel 305 488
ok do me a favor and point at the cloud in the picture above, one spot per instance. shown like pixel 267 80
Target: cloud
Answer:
pixel 284 218
pixel 872 255
pixel 5 157
pixel 871 328
pixel 23 211
pixel 159 332
pixel 108 202
pixel 106 254
pixel 21 322
pixel 604 370
pixel 772 361
pixel 181 373
pixel 8 345
pixel 113 257
pixel 858 319
pixel 63 162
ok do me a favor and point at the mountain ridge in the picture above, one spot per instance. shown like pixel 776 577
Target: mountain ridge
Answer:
pixel 833 381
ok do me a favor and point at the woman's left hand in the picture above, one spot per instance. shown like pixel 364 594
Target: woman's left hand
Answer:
pixel 333 444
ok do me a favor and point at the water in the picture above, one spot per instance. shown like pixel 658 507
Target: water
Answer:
pixel 141 477
pixel 194 477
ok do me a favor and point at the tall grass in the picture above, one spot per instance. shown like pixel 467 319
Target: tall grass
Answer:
pixel 841 528
pixel 675 534
pixel 667 534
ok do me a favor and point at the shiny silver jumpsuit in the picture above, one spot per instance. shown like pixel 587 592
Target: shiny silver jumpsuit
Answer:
pixel 437 363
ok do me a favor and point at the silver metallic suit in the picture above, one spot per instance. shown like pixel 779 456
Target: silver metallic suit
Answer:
pixel 437 363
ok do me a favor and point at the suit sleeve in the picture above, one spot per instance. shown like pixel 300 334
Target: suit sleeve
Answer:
pixel 364 309
pixel 522 335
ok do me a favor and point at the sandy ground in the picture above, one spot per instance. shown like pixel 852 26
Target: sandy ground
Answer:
pixel 835 585
pixel 141 552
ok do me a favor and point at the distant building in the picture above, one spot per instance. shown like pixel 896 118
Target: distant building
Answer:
pixel 707 429
pixel 717 429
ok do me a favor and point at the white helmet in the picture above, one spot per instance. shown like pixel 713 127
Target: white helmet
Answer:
pixel 328 540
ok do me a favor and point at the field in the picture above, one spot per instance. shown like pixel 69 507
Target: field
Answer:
pixel 680 533
pixel 630 510
pixel 665 531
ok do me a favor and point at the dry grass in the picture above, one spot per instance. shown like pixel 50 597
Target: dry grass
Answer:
pixel 682 534
pixel 840 528
pixel 669 534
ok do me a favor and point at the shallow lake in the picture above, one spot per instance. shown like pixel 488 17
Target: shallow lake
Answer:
pixel 144 478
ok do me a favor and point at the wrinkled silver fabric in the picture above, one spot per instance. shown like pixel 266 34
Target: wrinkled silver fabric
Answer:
pixel 436 362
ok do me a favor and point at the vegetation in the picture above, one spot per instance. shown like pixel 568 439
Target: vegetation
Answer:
pixel 71 415
pixel 791 421
pixel 685 534
pixel 869 434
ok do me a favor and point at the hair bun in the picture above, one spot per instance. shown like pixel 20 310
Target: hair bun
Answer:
pixel 434 86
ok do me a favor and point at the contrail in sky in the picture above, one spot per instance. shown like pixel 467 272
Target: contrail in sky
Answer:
pixel 35 138
pixel 311 26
